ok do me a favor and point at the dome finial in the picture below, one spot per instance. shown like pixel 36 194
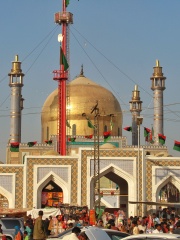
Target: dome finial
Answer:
pixel 81 72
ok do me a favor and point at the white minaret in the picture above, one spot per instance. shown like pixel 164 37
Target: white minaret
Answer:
pixel 135 108
pixel 16 84
pixel 158 86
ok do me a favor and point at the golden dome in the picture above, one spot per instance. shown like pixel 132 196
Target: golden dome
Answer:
pixel 83 94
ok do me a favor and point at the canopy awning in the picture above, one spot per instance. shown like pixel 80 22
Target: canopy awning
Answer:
pixel 4 211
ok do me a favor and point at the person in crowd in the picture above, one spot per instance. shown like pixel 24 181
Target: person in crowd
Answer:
pixel 164 227
pixel 28 229
pixel 135 229
pixel 141 225
pixel 113 227
pixel 122 228
pixel 1 231
pixel 177 230
pixel 18 233
pixel 85 224
pixel 100 224
pixel 50 225
pixel 77 222
pixel 69 226
pixel 74 234
pixel 25 235
pixel 46 225
pixel 83 236
pixel 155 219
pixel 172 222
pixel 71 220
pixel 3 236
pixel 39 231
pixel 159 212
pixel 61 224
pixel 157 228
pixel 129 226
pixel 171 229
pixel 31 221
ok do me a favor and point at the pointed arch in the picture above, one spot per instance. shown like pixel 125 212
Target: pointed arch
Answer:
pixel 51 176
pixel 131 183
pixel 170 178
pixel 9 197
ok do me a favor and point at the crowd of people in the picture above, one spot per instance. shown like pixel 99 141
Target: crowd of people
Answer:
pixel 163 221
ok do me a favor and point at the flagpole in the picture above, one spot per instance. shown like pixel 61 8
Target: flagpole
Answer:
pixel 139 122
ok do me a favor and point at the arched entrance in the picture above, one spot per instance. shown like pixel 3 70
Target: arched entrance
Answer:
pixel 122 190
pixel 52 180
pixel 169 193
pixel 52 195
pixel 3 202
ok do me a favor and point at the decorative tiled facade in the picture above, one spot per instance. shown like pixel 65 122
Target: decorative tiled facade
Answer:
pixel 81 171
pixel 18 171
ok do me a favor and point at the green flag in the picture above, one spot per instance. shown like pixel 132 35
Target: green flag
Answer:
pixel 176 146
pixel 31 144
pixel 67 2
pixel 107 136
pixel 48 142
pixel 162 138
pixel 14 147
pixel 72 139
pixel 63 60
pixel 146 132
pixel 90 125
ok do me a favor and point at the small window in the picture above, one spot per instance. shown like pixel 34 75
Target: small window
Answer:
pixel 105 128
pixel 74 130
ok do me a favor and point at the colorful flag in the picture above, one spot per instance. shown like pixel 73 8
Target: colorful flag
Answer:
pixel 146 131
pixel 90 125
pixel 129 129
pixel 147 139
pixel 162 138
pixel 63 60
pixel 151 136
pixel 48 142
pixel 176 146
pixel 73 139
pixel 107 136
pixel 14 147
pixel 67 2
pixel 89 136
pixel 31 144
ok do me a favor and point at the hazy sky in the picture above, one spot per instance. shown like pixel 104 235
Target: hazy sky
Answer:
pixel 117 41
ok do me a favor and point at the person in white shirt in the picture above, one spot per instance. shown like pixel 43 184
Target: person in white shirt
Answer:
pixel 158 229
pixel 74 235
pixel 71 220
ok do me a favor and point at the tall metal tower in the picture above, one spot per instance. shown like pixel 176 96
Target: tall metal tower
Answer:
pixel 62 18
pixel 158 86
pixel 16 83
pixel 135 109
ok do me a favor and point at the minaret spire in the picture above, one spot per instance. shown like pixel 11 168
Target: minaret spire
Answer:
pixel 135 109
pixel 16 83
pixel 158 86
